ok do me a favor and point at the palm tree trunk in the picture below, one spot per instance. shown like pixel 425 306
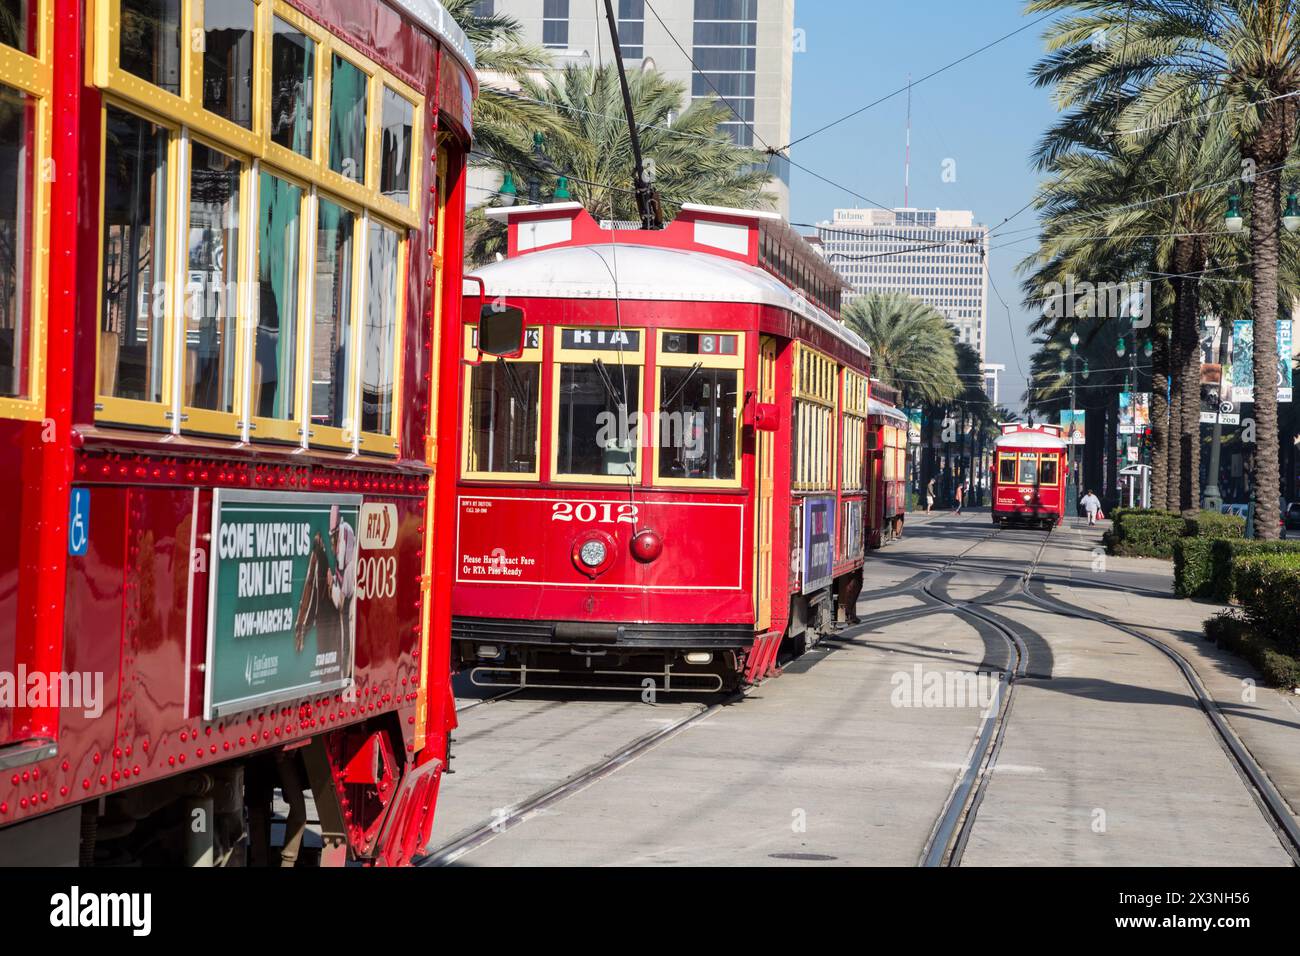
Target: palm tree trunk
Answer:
pixel 1186 406
pixel 1159 421
pixel 1265 204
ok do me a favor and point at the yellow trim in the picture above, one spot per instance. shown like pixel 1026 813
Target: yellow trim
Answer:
pixel 528 357
pixel 678 360
pixel 613 360
pixel 34 76
pixel 386 443
pixel 206 420
pixel 103 57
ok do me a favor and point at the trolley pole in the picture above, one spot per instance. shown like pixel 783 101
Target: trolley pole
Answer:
pixel 647 203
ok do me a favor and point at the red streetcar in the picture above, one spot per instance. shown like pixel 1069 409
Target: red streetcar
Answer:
pixel 1029 475
pixel 887 464
pixel 231 230
pixel 667 478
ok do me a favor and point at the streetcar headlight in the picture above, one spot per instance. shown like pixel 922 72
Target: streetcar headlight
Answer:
pixel 593 553
pixel 488 651
pixel 699 657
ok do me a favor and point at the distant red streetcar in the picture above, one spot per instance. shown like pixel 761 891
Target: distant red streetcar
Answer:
pixel 668 478
pixel 1029 469
pixel 887 446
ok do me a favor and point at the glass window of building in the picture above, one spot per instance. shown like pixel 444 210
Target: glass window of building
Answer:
pixel 631 28
pixel 555 24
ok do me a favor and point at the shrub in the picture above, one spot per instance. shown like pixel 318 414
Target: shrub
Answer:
pixel 1194 567
pixel 1237 636
pixel 1148 534
pixel 1212 524
pixel 1268 586
pixel 1221 579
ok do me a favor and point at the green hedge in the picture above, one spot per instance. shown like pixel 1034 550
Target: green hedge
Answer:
pixel 1237 636
pixel 1206 567
pixel 1146 534
pixel 1213 524
pixel 1268 586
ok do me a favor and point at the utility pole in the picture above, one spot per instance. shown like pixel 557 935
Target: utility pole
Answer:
pixel 1071 484
pixel 647 202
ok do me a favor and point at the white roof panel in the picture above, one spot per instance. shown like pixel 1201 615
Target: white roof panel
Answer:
pixel 653 273
pixel 1028 439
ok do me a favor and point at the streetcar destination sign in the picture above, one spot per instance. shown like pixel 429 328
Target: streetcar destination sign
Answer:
pixel 601 340
pixel 282 597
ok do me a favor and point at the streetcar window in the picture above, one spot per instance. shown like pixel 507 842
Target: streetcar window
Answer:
pixel 697 424
pixel 228 59
pixel 17 116
pixel 131 356
pixel 14 26
pixel 398 122
pixel 212 294
pixel 348 120
pixel 331 337
pixel 1028 469
pixel 378 361
pixel 503 399
pixel 293 88
pixel 1047 470
pixel 597 419
pixel 1007 470
pixel 276 343
pixel 150 38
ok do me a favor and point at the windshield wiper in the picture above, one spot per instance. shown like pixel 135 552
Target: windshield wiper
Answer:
pixel 667 403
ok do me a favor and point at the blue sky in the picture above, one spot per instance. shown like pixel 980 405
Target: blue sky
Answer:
pixel 983 114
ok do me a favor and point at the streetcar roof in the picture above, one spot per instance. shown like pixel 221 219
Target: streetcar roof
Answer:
pixel 1029 439
pixel 433 16
pixel 875 407
pixel 638 272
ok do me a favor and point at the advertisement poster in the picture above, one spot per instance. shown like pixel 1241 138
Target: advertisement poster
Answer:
pixel 282 598
pixel 818 543
pixel 1134 412
pixel 1073 433
pixel 1243 362
pixel 914 426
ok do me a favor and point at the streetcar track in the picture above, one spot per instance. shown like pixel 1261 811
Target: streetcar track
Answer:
pixel 1267 799
pixel 510 817
pixel 948 838
pixel 487 700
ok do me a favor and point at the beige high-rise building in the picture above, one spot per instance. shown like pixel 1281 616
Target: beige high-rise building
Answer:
pixel 743 48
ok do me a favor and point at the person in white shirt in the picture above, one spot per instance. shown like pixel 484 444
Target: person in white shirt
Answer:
pixel 1092 505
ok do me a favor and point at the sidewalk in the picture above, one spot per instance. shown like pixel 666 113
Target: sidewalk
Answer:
pixel 1140 592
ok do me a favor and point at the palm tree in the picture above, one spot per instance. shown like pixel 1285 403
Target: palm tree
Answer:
pixel 912 346
pixel 1241 57
pixel 1125 208
pixel 503 61
pixel 689 157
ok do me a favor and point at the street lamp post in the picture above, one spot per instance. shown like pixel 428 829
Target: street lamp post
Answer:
pixel 1071 484
pixel 1212 499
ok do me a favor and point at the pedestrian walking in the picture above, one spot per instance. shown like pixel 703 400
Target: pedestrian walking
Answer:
pixel 959 497
pixel 929 496
pixel 1092 506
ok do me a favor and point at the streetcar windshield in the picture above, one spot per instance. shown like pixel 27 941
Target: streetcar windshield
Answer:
pixel 1007 470
pixel 697 423
pixel 598 414
pixel 1028 469
pixel 1047 470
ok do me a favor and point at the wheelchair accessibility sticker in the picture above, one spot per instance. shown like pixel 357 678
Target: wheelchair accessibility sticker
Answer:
pixel 79 522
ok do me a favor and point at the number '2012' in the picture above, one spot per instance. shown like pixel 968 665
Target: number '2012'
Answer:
pixel 594 512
